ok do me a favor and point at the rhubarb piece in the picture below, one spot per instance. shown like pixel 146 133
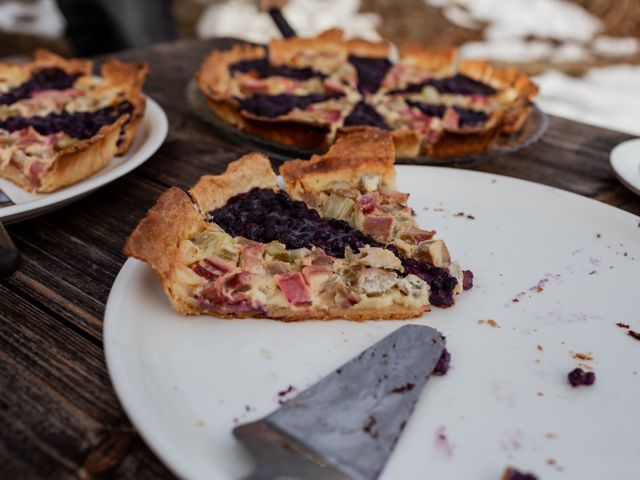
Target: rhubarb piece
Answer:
pixel 294 288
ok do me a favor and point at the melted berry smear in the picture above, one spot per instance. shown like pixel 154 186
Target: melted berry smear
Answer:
pixel 263 68
pixel 371 72
pixel 466 115
pixel 263 215
pixel 46 79
pixel 365 114
pixel 78 125
pixel 275 105
pixel 458 84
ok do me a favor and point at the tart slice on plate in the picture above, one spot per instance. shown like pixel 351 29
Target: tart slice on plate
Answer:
pixel 59 123
pixel 236 246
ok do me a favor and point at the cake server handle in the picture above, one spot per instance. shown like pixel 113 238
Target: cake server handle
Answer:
pixel 9 255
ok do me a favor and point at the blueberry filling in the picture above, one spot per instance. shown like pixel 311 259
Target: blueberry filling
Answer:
pixel 263 69
pixel 78 125
pixel 263 215
pixel 371 72
pixel 466 115
pixel 444 362
pixel 52 78
pixel 275 105
pixel 365 114
pixel 458 84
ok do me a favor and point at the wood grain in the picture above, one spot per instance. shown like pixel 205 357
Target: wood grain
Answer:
pixel 56 401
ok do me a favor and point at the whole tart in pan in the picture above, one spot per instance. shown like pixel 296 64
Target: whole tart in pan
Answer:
pixel 302 91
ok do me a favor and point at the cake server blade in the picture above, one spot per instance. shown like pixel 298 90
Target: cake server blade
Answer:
pixel 5 201
pixel 346 425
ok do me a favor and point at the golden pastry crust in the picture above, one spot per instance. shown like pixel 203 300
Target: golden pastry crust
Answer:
pixel 357 150
pixel 86 157
pixel 330 45
pixel 177 217
pixel 519 89
pixel 128 78
pixel 156 240
pixel 250 171
pixel 365 48
pixel 438 61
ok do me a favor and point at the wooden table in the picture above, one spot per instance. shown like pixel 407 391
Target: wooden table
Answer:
pixel 59 416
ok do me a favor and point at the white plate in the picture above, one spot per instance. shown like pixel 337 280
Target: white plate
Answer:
pixel 625 160
pixel 187 381
pixel 150 135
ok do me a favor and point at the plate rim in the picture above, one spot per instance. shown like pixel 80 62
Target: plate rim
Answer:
pixel 116 367
pixel 157 118
pixel 615 159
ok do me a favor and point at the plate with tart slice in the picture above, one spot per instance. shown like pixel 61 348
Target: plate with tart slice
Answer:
pixel 65 132
pixel 291 99
pixel 237 295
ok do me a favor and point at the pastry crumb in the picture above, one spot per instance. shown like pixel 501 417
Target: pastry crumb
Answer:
pixel 587 357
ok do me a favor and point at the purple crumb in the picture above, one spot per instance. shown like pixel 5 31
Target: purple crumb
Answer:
pixel 513 474
pixel 467 279
pixel 442 367
pixel 580 377
pixel 287 391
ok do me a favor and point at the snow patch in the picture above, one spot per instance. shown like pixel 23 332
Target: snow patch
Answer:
pixel 41 17
pixel 616 47
pixel 241 19
pixel 557 19
pixel 605 97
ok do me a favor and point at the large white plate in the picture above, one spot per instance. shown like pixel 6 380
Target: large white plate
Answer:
pixel 572 264
pixel 150 135
pixel 625 161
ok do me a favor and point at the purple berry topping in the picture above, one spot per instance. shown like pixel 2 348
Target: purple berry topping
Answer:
pixel 444 362
pixel 371 72
pixel 275 105
pixel 579 377
pixel 467 116
pixel 513 474
pixel 467 279
pixel 458 84
pixel 365 114
pixel 263 69
pixel 263 215
pixel 79 125
pixel 52 78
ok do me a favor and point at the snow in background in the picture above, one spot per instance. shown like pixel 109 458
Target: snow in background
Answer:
pixel 241 18
pixel 44 18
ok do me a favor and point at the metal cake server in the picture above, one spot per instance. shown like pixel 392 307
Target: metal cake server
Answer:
pixel 5 201
pixel 346 425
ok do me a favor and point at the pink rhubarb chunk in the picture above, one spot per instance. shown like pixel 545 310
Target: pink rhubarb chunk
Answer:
pixel 294 288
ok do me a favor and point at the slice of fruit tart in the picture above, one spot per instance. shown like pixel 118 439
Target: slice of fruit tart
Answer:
pixel 236 245
pixel 59 123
